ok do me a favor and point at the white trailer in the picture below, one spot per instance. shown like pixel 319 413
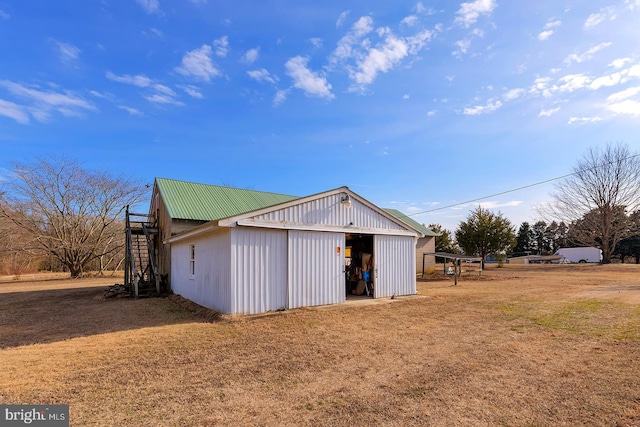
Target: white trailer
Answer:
pixel 580 255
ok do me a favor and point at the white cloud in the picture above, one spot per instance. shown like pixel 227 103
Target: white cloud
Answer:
pixel 579 58
pixel 624 94
pixel 632 4
pixel 380 59
pixel 163 94
pixel 222 46
pixel 316 41
pixel 364 60
pixel 157 33
pixel 541 86
pixel 4 14
pixel 308 81
pixel 44 102
pixel 469 13
pixel 431 113
pixel 341 18
pixel 406 96
pixel 164 89
pixel 13 111
pixel 573 82
pixel 53 99
pixel 628 106
pixel 149 6
pixel 513 94
pixel 493 205
pixel 262 75
pixel 251 55
pixel 545 35
pixel 584 120
pixel 344 50
pixel 67 52
pixel 593 20
pixel 463 46
pixel 103 95
pixel 620 62
pixel 192 91
pixel 417 41
pixel 491 106
pixel 410 20
pixel 130 110
pixel 597 18
pixel 605 81
pixel 280 97
pixel 421 9
pixel 552 24
pixel 634 71
pixel 549 112
pixel 162 99
pixel 197 63
pixel 140 80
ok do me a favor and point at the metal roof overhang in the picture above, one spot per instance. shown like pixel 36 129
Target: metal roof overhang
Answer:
pixel 456 257
pixel 246 220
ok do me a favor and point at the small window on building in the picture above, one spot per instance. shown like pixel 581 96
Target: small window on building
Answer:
pixel 192 260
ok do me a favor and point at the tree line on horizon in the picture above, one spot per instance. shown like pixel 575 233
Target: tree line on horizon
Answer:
pixel 56 215
pixel 597 205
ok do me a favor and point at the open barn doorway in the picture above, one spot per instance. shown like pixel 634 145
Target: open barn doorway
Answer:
pixel 359 265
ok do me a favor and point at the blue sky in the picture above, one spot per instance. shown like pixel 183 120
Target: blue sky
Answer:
pixel 413 105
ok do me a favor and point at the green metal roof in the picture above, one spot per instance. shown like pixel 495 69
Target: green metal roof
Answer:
pixel 203 202
pixel 413 223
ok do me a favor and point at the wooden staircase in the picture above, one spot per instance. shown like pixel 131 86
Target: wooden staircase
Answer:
pixel 140 271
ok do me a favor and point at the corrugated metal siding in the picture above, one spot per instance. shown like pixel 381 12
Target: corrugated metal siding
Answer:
pixel 330 211
pixel 164 251
pixel 190 200
pixel 315 268
pixel 395 267
pixel 211 286
pixel 259 268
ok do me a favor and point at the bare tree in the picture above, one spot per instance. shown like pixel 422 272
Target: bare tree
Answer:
pixel 604 185
pixel 111 254
pixel 68 210
pixel 16 248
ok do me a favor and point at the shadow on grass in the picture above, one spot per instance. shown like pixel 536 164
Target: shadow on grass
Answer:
pixel 44 316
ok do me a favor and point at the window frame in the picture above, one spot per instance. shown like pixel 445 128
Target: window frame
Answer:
pixel 192 261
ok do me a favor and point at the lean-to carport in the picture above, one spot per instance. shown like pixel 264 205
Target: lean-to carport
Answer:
pixel 456 259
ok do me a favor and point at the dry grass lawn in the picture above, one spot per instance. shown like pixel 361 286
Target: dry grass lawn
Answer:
pixel 522 346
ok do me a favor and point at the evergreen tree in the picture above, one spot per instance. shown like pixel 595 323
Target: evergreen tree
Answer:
pixel 444 242
pixel 524 240
pixel 485 233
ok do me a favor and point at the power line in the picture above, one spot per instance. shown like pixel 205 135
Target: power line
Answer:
pixel 523 187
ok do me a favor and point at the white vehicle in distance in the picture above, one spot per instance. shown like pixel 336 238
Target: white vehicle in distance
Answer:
pixel 579 255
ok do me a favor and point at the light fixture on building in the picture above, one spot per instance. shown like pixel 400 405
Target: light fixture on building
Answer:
pixel 346 201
